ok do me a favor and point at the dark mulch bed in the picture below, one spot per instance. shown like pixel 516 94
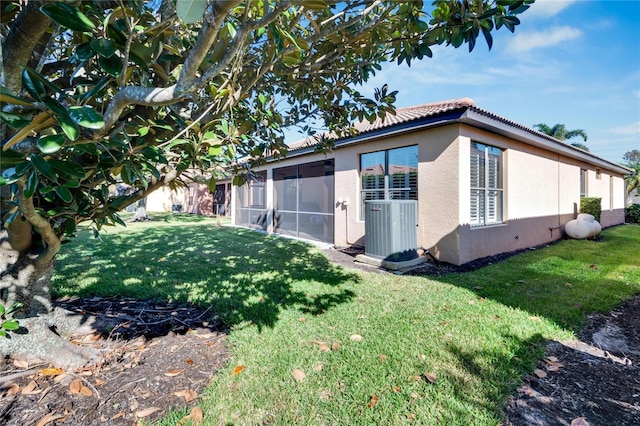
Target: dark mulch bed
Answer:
pixel 156 356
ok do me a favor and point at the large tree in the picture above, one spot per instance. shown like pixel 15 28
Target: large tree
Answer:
pixel 560 132
pixel 97 93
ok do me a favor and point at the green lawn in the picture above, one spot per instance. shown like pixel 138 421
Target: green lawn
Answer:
pixel 478 332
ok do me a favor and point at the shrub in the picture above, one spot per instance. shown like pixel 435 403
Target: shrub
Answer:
pixel 591 205
pixel 633 213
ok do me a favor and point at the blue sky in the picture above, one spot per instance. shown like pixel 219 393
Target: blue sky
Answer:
pixel 570 62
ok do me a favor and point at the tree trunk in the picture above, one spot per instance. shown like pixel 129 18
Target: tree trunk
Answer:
pixel 41 326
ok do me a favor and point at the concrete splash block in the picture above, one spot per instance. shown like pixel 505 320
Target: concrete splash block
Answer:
pixel 390 265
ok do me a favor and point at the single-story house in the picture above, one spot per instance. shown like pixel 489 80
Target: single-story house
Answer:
pixel 195 198
pixel 483 184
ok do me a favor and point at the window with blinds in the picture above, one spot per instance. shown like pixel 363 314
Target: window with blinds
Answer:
pixel 486 185
pixel 389 175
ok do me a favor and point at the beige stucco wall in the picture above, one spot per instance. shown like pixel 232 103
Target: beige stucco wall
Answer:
pixel 541 192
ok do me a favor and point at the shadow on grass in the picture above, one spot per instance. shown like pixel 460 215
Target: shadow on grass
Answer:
pixel 564 282
pixel 246 278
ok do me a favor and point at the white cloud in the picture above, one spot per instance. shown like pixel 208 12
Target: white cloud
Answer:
pixel 547 8
pixel 526 41
pixel 629 129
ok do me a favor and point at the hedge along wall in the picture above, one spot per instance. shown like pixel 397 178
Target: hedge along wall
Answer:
pixel 591 205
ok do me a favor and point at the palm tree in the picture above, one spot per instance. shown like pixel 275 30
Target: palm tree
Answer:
pixel 560 132
pixel 632 161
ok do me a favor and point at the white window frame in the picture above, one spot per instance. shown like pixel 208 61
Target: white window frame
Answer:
pixel 487 199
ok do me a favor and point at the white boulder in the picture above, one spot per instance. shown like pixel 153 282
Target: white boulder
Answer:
pixel 585 226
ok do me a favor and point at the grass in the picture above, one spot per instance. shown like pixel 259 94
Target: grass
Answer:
pixel 478 332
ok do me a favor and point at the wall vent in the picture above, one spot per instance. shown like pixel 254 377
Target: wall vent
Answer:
pixel 390 229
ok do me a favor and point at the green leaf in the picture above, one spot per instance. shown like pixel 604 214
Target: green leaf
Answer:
pixel 1 309
pixel 14 120
pixel 103 46
pixel 43 167
pixel 212 184
pixel 67 124
pixel 97 88
pixel 189 11
pixel 86 117
pixel 31 184
pixel 10 325
pixel 84 52
pixel 6 97
pixel 33 85
pixel 71 169
pixel 214 151
pixel 10 159
pixel 50 143
pixel 64 194
pixel 232 29
pixel 68 16
pixel 111 65
pixel 14 307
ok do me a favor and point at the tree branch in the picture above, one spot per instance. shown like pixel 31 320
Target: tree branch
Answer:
pixel 208 35
pixel 20 43
pixel 42 225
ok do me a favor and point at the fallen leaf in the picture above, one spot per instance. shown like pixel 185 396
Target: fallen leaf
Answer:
pixel 188 394
pixel 382 357
pixel 173 373
pixel 100 382
pixel 411 416
pixel 302 319
pixel 413 397
pixel 554 364
pixel 540 373
pixel 298 374
pixel 431 378
pixel 335 346
pixel 552 368
pixel 20 363
pixel 373 401
pixel 579 421
pixel 356 337
pixel 31 389
pixel 396 389
pixel 147 412
pixel 552 359
pixel 13 389
pixel 85 391
pixel 189 361
pixel 197 416
pixel 119 415
pixel 237 370
pixel 472 302
pixel 75 386
pixel 318 367
pixel 322 346
pixel 50 371
pixel 50 418
pixel 324 395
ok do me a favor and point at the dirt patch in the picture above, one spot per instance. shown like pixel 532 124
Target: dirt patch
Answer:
pixel 156 356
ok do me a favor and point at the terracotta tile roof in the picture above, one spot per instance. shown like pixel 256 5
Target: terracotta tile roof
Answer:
pixel 403 115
